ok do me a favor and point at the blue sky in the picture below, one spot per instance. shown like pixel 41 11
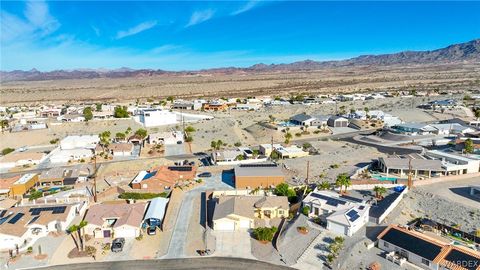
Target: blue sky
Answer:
pixel 195 35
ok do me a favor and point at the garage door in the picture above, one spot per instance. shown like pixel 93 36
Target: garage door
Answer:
pixel 130 232
pixel 245 224
pixel 224 225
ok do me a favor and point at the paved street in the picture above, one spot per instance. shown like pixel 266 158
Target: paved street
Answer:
pixel 176 247
pixel 179 264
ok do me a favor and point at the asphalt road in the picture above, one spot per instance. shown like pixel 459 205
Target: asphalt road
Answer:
pixel 180 264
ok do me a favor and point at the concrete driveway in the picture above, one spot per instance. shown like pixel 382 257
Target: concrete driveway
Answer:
pixel 233 244
pixel 176 248
pixel 124 254
pixel 175 149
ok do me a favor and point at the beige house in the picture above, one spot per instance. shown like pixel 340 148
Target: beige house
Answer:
pixel 115 220
pixel 234 213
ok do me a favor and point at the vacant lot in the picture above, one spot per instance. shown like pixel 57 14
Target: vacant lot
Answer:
pixel 329 80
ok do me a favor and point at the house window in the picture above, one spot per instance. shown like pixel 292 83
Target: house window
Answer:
pixel 280 212
pixel 385 244
pixel 426 262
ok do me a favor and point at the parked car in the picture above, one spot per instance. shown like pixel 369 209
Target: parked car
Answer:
pixel 179 142
pixel 152 230
pixel 118 244
pixel 205 174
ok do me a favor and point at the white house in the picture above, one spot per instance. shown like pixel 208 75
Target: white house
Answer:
pixel 343 214
pixel 79 141
pixel 156 117
pixel 22 226
pixel 121 149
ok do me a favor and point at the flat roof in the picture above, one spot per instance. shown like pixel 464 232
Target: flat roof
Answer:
pixel 261 169
pixel 463 259
pixel 25 178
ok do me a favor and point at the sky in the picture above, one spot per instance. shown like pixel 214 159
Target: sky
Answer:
pixel 195 35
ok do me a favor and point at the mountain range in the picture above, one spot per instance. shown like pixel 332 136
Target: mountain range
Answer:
pixel 468 51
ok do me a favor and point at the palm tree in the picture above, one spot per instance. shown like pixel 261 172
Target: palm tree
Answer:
pixel 379 191
pixel 71 230
pixel 343 181
pixel 81 233
pixel 325 185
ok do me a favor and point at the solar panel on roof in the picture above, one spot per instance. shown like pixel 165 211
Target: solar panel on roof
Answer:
pixel 350 198
pixel 180 168
pixel 16 218
pixel 33 219
pixel 329 201
pixel 257 165
pixel 59 210
pixel 3 213
pixel 2 220
pixel 149 175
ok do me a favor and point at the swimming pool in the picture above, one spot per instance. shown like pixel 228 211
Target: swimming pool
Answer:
pixel 383 178
pixel 287 124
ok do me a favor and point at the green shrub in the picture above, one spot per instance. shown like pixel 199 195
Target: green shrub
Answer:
pixel 35 195
pixel 264 234
pixel 7 150
pixel 141 196
pixel 306 210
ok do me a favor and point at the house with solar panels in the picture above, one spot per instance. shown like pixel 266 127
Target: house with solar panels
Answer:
pixel 163 178
pixel 22 226
pixel 403 244
pixel 342 214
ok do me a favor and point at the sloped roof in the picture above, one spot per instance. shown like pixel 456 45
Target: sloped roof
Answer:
pixel 245 205
pixel 129 214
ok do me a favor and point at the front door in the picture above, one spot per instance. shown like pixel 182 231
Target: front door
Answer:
pixel 107 233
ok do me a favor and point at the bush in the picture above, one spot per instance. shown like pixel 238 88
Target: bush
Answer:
pixel 264 234
pixel 121 112
pixel 189 139
pixel 35 195
pixel 54 141
pixel 139 238
pixel 306 210
pixel 29 250
pixel 7 150
pixel 189 129
pixel 141 196
pixel 238 144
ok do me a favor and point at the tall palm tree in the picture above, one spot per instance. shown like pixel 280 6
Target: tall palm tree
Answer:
pixel 71 230
pixel 81 233
pixel 343 181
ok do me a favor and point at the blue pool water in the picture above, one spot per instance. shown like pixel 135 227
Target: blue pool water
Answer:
pixel 383 178
pixel 286 124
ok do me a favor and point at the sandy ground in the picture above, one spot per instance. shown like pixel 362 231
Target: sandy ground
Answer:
pixel 357 79
pixel 234 126
pixel 348 157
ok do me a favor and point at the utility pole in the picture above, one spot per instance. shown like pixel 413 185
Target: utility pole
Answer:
pixel 95 178
pixel 308 171
pixel 271 144
pixel 410 180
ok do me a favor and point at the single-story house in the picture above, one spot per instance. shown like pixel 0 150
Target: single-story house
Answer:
pixel 17 186
pixel 22 226
pixel 404 244
pixel 121 149
pixel 233 213
pixel 163 178
pixel 258 175
pixel 115 220
pixel 292 151
pixel 16 159
pixel 79 141
pixel 58 176
pixel 302 119
pixel 343 214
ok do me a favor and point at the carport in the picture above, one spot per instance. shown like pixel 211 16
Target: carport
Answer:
pixel 156 212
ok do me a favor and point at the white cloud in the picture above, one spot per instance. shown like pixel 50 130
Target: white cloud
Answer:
pixel 136 29
pixel 249 5
pixel 200 16
pixel 38 23
pixel 95 30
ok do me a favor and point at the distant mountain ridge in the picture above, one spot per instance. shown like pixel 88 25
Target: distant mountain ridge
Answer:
pixel 468 51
